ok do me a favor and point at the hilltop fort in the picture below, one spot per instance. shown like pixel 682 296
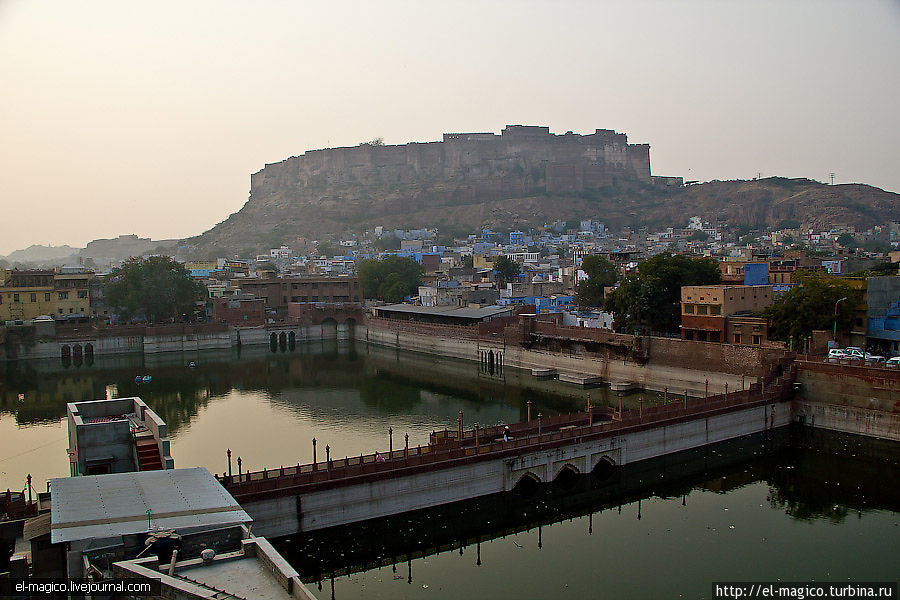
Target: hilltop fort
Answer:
pixel 525 176
pixel 563 163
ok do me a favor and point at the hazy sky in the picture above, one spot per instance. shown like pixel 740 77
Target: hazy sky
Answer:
pixel 149 117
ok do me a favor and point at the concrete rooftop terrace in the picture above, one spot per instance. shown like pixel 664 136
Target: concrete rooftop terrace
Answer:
pixel 104 506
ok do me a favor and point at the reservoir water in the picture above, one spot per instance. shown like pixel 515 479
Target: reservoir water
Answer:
pixel 795 506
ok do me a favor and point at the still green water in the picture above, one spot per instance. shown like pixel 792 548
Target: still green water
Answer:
pixel 795 506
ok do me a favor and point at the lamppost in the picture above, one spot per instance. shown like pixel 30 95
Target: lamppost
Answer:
pixel 834 334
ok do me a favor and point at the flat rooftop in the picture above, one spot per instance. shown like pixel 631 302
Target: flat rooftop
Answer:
pixel 462 312
pixel 103 506
pixel 244 578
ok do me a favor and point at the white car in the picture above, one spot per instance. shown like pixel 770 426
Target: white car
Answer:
pixel 836 353
pixel 853 351
pixel 893 362
pixel 874 358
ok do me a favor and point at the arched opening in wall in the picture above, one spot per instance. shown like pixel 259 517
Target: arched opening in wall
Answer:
pixel 491 362
pixel 273 342
pixel 329 328
pixel 77 357
pixel 89 354
pixel 350 327
pixel 604 469
pixel 567 477
pixel 65 354
pixel 292 341
pixel 282 341
pixel 528 484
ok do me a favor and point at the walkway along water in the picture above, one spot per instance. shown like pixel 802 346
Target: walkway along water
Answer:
pixel 467 464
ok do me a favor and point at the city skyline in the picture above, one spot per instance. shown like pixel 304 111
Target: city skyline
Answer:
pixel 150 120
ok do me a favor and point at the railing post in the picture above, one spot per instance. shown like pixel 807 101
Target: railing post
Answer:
pixel 228 452
pixel 539 426
pixel 327 457
pixel 406 447
pixel 476 438
pixel 314 454
pixel 707 388
pixel 391 441
pixel 528 413
pixel 240 478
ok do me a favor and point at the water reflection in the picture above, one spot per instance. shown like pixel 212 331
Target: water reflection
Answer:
pixel 267 406
pixel 698 500
pixel 37 392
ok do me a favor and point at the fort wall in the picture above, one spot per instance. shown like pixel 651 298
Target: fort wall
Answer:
pixel 569 162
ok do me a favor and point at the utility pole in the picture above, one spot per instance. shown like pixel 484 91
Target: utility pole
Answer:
pixel 832 178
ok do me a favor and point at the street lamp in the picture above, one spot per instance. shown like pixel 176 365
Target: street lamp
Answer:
pixel 834 334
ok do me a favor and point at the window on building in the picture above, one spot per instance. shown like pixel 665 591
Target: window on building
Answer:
pixel 756 340
pixel 47 297
pixel 34 297
pixel 715 309
pixel 737 338
pixel 15 297
pixel 701 309
pixel 82 294
pixel 688 309
pixel 64 295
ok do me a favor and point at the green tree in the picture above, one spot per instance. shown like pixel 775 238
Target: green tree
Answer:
pixel 506 269
pixel 391 279
pixel 388 242
pixel 467 261
pixel 650 298
pixel 847 241
pixel 699 236
pixel 324 249
pixel 810 306
pixel 601 273
pixel 157 288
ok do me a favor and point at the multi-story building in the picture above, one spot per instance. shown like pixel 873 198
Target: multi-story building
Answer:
pixel 26 294
pixel 72 290
pixel 278 292
pixel 704 309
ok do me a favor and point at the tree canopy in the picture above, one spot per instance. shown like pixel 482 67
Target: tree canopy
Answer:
pixel 649 299
pixel 157 288
pixel 810 306
pixel 391 279
pixel 507 269
pixel 601 273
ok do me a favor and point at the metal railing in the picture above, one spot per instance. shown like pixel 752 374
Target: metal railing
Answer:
pixel 478 444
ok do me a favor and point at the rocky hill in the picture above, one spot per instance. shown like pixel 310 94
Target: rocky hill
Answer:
pixel 524 177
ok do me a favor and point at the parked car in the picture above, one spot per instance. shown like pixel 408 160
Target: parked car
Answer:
pixel 854 351
pixel 836 353
pixel 893 362
pixel 874 358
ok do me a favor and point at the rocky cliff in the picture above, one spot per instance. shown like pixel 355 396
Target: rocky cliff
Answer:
pixel 526 176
